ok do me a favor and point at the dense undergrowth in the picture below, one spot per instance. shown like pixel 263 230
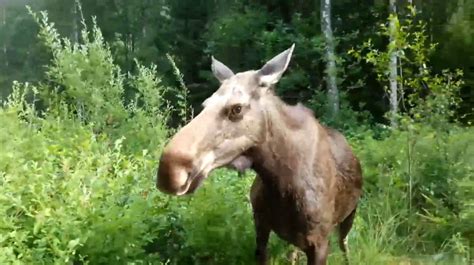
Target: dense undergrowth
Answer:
pixel 77 179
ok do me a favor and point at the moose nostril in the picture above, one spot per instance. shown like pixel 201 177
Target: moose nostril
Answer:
pixel 173 172
pixel 172 182
pixel 173 169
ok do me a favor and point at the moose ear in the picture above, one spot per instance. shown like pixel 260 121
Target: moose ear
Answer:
pixel 272 71
pixel 221 72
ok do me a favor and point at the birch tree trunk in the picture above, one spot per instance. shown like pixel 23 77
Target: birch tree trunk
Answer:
pixel 331 71
pixel 5 38
pixel 393 70
pixel 75 26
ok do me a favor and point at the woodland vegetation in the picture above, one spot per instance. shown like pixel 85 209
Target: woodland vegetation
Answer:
pixel 91 91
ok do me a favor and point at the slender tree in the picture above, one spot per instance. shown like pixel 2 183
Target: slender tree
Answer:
pixel 4 22
pixel 331 70
pixel 393 66
pixel 75 19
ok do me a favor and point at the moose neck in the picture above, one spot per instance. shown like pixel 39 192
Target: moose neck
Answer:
pixel 285 158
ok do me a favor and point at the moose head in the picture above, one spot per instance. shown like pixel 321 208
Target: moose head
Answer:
pixel 232 121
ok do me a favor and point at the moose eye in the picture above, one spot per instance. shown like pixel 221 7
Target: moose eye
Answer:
pixel 236 109
pixel 235 112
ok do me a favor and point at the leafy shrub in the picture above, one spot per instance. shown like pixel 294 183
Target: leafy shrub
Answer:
pixel 76 176
pixel 69 196
pixel 83 78
pixel 419 177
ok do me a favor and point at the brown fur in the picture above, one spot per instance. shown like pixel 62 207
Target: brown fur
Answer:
pixel 305 186
pixel 308 180
pixel 168 165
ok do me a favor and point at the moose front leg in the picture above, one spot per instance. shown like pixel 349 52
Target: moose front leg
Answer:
pixel 262 227
pixel 262 235
pixel 317 251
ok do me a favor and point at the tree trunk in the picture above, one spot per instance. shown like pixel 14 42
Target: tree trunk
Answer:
pixel 393 70
pixel 143 9
pixel 331 71
pixel 5 38
pixel 75 26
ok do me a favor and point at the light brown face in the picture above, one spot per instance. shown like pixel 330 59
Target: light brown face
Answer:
pixel 232 121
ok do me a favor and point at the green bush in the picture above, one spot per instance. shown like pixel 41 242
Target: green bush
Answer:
pixel 69 195
pixel 84 79
pixel 77 174
pixel 419 181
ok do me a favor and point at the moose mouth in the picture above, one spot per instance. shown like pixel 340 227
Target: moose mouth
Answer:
pixel 195 182
pixel 192 183
pixel 240 164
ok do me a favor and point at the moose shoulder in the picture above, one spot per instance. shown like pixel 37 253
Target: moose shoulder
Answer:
pixel 308 179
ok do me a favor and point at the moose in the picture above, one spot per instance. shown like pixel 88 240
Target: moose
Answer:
pixel 308 179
